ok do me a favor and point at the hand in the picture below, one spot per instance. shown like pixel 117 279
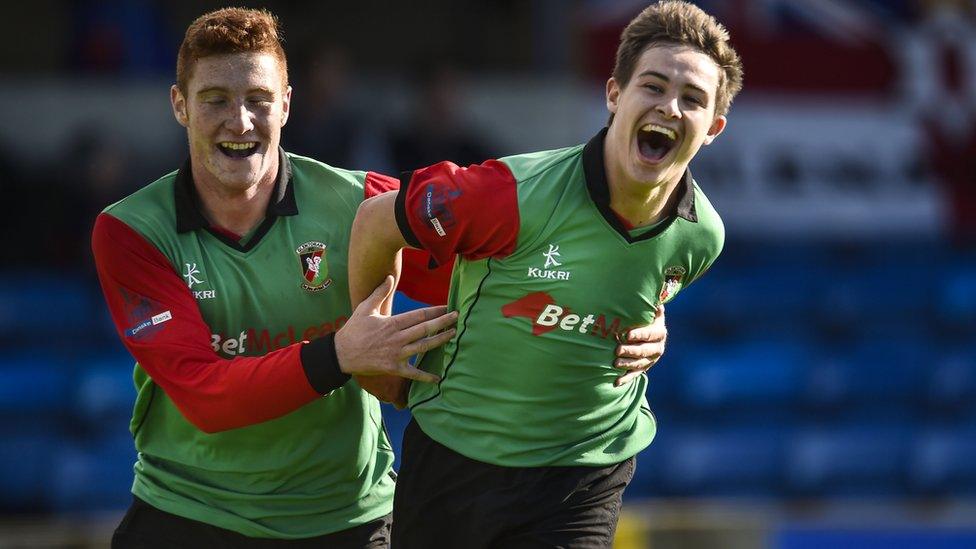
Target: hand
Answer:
pixel 392 389
pixel 371 343
pixel 649 346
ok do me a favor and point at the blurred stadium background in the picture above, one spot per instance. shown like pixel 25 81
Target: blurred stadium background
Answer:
pixel 819 388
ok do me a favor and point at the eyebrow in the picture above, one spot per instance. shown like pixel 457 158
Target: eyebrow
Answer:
pixel 666 79
pixel 221 89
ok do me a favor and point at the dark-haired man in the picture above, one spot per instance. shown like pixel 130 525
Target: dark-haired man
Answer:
pixel 527 441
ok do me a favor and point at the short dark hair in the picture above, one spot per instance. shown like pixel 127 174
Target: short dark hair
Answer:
pixel 229 30
pixel 680 23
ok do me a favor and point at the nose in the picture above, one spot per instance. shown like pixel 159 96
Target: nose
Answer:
pixel 668 107
pixel 240 120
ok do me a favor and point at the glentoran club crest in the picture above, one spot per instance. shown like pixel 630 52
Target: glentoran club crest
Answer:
pixel 315 270
pixel 673 277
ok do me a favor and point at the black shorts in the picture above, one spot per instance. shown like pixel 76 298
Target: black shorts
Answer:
pixel 446 500
pixel 146 527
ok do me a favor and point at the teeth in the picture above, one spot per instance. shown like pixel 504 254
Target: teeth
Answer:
pixel 660 129
pixel 238 146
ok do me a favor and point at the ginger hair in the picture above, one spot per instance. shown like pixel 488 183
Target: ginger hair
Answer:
pixel 230 30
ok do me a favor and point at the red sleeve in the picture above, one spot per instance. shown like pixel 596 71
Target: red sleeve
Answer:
pixel 377 183
pixel 448 210
pixel 159 322
pixel 418 280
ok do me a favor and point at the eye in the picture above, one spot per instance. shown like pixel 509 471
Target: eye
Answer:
pixel 694 100
pixel 654 88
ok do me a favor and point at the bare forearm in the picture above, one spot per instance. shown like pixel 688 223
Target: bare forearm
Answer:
pixel 374 247
pixel 373 346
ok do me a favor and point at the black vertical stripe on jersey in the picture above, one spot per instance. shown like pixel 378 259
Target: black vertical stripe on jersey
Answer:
pixel 457 346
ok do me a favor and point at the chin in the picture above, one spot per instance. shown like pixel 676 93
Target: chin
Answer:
pixel 649 176
pixel 236 179
pixel 659 174
pixel 244 181
pixel 230 170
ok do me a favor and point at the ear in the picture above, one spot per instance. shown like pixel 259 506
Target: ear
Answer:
pixel 613 95
pixel 718 125
pixel 178 102
pixel 285 106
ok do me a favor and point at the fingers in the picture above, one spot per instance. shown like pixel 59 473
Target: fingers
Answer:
pixel 627 378
pixel 634 363
pixel 645 350
pixel 655 331
pixel 409 372
pixel 379 295
pixel 416 316
pixel 647 334
pixel 430 327
pixel 427 343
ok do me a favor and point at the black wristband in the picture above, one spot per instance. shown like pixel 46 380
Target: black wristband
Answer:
pixel 322 365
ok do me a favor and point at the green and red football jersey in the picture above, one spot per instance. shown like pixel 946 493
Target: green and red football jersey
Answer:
pixel 230 422
pixel 546 279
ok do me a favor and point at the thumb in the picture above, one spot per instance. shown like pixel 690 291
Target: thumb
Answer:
pixel 660 311
pixel 379 295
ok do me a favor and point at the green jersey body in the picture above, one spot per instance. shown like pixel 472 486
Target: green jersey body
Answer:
pixel 529 379
pixel 326 466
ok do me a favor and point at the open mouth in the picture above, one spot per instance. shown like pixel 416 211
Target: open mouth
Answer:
pixel 237 150
pixel 655 142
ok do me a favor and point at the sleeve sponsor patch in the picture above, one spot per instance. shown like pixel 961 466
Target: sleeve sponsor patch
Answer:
pixel 145 316
pixel 435 205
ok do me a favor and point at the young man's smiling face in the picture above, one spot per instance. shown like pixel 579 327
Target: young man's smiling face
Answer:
pixel 662 116
pixel 233 111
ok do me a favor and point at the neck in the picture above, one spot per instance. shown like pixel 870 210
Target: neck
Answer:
pixel 641 206
pixel 640 203
pixel 235 210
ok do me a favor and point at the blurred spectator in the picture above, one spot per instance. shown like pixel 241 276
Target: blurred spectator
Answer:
pixel 436 131
pixel 94 173
pixel 326 126
pixel 939 79
pixel 120 37
pixel 953 158
pixel 15 190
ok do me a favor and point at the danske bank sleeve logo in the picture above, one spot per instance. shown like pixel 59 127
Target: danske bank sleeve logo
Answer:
pixel 315 270
pixel 435 205
pixel 145 315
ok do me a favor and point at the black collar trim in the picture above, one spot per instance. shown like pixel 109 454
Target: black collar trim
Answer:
pixel 189 211
pixel 594 169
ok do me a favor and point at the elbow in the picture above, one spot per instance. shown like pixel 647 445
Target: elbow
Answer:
pixel 369 207
pixel 376 221
pixel 365 214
